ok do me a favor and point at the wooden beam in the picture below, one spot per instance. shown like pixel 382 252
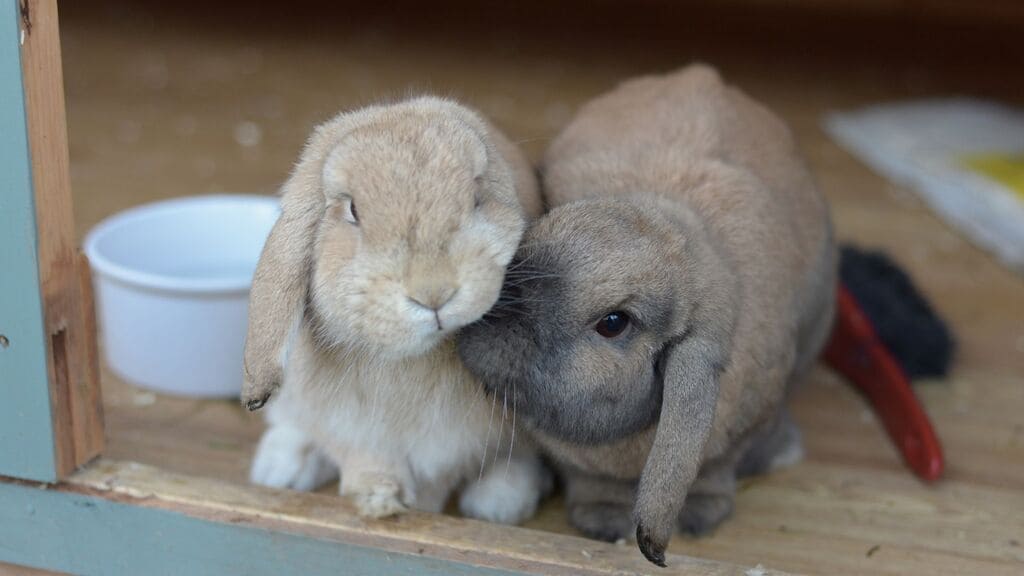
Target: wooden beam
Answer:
pixel 63 272
pixel 122 518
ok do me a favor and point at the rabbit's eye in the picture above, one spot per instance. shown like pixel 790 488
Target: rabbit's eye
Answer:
pixel 351 216
pixel 478 199
pixel 613 324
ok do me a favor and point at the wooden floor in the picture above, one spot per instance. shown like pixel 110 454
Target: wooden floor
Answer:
pixel 165 102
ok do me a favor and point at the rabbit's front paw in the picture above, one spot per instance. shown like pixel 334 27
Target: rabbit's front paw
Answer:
pixel 377 496
pixel 506 494
pixel 702 513
pixel 285 458
pixel 605 521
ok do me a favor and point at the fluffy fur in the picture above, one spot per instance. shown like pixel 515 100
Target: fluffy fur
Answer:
pixel 685 204
pixel 396 228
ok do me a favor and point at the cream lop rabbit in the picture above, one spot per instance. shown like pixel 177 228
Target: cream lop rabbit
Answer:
pixel 684 280
pixel 396 228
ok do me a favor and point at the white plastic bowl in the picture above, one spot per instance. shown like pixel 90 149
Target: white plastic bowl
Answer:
pixel 172 290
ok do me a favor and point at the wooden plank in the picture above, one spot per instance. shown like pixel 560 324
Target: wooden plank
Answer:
pixel 67 304
pixel 27 447
pixel 97 536
pixel 90 433
pixel 116 518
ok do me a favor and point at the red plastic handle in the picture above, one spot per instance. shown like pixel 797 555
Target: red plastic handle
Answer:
pixel 856 352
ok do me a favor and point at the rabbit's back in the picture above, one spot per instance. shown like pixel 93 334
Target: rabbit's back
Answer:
pixel 660 133
pixel 690 138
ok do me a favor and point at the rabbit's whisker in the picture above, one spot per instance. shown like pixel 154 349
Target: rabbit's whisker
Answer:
pixel 534 244
pixel 487 441
pixel 512 440
pixel 528 300
pixel 519 267
pixel 512 280
pixel 521 262
pixel 501 427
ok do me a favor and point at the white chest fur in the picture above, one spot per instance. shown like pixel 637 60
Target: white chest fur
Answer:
pixel 403 433
pixel 424 413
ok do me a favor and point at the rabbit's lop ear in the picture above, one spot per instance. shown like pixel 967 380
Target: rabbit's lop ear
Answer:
pixel 691 371
pixel 279 287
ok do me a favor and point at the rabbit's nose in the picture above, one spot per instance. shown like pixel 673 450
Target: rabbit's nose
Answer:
pixel 433 297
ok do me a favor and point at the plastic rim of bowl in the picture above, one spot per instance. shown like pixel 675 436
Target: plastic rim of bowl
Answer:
pixel 130 276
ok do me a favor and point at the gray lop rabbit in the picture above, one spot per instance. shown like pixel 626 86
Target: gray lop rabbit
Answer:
pixel 653 321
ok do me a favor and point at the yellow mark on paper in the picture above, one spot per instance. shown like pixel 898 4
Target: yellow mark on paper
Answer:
pixel 1006 169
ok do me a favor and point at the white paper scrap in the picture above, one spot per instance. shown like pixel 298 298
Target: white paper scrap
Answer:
pixel 965 157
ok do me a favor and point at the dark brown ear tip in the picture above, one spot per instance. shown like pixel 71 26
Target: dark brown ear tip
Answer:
pixel 655 553
pixel 255 404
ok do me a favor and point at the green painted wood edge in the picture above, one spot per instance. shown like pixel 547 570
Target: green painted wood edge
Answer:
pixel 83 534
pixel 26 428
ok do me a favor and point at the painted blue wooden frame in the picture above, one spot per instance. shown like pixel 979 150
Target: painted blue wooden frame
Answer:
pixel 123 518
pixel 27 447
pixel 83 534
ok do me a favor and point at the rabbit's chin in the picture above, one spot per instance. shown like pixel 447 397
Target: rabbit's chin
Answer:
pixel 412 347
pixel 410 340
